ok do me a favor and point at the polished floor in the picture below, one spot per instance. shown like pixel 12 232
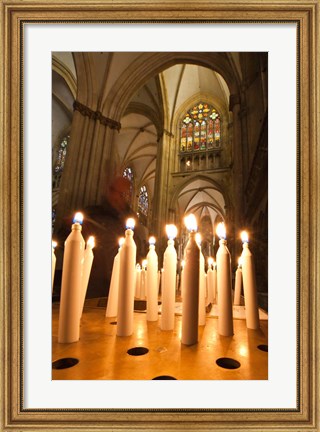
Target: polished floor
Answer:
pixel 151 353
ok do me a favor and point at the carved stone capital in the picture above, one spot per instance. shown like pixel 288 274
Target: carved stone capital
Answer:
pixel 96 115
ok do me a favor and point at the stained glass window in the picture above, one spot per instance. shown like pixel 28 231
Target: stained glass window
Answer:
pixel 143 201
pixel 61 156
pixel 127 173
pixel 200 129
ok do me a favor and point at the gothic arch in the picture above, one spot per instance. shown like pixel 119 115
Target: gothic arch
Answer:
pixel 148 65
pixel 219 208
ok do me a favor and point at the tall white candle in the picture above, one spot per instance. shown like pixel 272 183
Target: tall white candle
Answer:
pixel 138 281
pixel 143 287
pixel 71 284
pixel 112 304
pixel 152 282
pixel 53 262
pixel 202 285
pixel 127 282
pixel 215 290
pixel 238 284
pixel 87 264
pixel 181 276
pixel 249 284
pixel 168 289
pixel 224 285
pixel 190 289
pixel 210 281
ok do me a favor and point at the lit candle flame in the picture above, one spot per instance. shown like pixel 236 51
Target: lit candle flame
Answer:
pixel 130 223
pixel 54 244
pixel 152 241
pixel 90 242
pixel 138 267
pixel 244 237
pixel 240 262
pixel 144 264
pixel 221 230
pixel 191 222
pixel 198 238
pixel 210 261
pixel 171 231
pixel 121 241
pixel 183 263
pixel 78 218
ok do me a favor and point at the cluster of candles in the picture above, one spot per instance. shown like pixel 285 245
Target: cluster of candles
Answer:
pixel 77 263
pixel 129 280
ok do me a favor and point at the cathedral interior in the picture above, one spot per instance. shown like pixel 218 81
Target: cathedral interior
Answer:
pixel 189 130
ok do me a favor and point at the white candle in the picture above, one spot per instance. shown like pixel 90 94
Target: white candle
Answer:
pixel 152 282
pixel 87 264
pixel 202 285
pixel 143 290
pixel 112 304
pixel 69 317
pixel 127 282
pixel 181 276
pixel 210 281
pixel 168 288
pixel 138 281
pixel 190 289
pixel 53 262
pixel 249 284
pixel 225 311
pixel 238 284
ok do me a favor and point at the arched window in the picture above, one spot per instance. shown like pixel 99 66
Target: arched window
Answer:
pixel 143 201
pixel 200 129
pixel 127 173
pixel 61 156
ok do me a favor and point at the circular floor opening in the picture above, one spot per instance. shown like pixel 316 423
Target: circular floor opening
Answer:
pixel 164 377
pixel 137 351
pixel 263 348
pixel 228 363
pixel 65 363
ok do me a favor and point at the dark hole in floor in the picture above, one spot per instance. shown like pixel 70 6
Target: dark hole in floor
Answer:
pixel 263 348
pixel 228 363
pixel 137 351
pixel 164 377
pixel 65 363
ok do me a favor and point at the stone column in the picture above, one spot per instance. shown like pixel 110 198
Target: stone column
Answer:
pixel 85 168
pixel 238 186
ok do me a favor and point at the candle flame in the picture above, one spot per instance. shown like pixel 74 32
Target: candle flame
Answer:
pixel 138 267
pixel 54 244
pixel 240 260
pixel 78 218
pixel 130 223
pixel 191 222
pixel 221 230
pixel 183 263
pixel 90 242
pixel 244 237
pixel 144 264
pixel 121 241
pixel 210 261
pixel 152 240
pixel 171 231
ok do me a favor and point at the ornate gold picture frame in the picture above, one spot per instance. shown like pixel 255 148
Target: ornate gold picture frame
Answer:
pixel 14 416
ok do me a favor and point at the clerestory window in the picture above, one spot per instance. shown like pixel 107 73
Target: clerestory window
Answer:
pixel 200 129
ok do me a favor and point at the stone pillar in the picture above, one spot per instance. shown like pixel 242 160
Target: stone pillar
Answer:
pixel 88 154
pixel 238 186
